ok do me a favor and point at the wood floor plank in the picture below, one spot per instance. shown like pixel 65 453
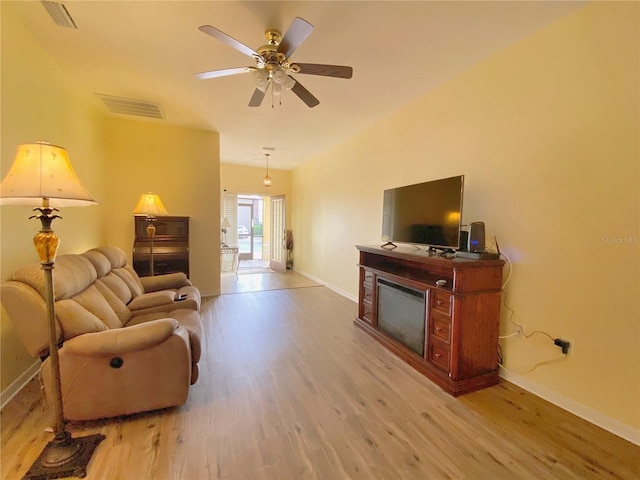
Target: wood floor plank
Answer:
pixel 290 389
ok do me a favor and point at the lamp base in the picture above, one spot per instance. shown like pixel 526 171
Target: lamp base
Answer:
pixel 66 457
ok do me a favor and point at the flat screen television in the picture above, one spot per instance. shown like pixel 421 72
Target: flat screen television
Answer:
pixel 428 213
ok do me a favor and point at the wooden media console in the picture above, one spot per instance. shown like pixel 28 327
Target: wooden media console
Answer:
pixel 453 337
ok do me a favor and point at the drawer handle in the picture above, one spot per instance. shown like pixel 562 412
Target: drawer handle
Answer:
pixel 438 302
pixel 438 355
pixel 438 329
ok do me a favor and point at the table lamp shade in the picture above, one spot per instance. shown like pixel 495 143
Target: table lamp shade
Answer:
pixel 150 205
pixel 43 171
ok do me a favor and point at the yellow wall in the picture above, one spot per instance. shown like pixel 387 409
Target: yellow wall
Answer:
pixel 39 103
pixel 182 166
pixel 547 134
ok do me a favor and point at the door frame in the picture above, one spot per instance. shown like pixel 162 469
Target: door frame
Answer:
pixel 277 234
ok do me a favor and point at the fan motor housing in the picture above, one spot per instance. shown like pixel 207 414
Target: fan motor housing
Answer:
pixel 270 51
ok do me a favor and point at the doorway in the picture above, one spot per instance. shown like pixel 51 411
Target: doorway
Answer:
pixel 251 220
pixel 256 227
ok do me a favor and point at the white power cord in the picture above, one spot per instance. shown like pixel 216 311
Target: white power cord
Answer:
pixel 519 328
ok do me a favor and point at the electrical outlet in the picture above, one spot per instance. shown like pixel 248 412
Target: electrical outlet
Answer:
pixel 572 346
pixel 565 345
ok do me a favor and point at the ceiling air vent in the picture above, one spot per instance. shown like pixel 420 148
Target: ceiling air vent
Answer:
pixel 129 106
pixel 60 14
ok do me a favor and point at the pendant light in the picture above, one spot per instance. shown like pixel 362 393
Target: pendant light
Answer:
pixel 266 181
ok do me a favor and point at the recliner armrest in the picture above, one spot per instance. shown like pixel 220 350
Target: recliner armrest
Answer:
pixel 168 281
pixel 161 298
pixel 119 341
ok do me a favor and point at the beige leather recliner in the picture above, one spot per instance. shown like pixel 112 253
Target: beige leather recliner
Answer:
pixel 127 344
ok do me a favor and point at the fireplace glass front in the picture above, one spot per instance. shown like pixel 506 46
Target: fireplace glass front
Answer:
pixel 401 314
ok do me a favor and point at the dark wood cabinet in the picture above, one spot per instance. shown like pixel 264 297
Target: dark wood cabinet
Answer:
pixel 455 302
pixel 170 246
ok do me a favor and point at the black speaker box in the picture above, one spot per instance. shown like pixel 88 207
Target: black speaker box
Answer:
pixel 475 242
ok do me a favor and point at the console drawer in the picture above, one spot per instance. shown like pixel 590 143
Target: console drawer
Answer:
pixel 439 356
pixel 441 301
pixel 441 326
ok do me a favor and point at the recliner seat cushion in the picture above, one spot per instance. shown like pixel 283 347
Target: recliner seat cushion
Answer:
pixel 92 300
pixel 116 256
pixel 119 307
pixel 71 275
pixel 76 320
pixel 99 262
pixel 132 282
pixel 118 286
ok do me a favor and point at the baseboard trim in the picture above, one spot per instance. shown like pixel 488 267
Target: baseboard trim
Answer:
pixel 328 285
pixel 610 424
pixel 18 384
pixel 213 293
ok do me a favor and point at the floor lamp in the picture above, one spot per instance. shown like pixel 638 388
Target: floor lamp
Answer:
pixel 151 206
pixel 42 177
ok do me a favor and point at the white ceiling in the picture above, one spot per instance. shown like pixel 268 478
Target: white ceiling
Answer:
pixel 149 50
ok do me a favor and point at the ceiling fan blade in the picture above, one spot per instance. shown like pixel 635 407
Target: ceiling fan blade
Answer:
pixel 336 71
pixel 257 97
pixel 223 73
pixel 298 31
pixel 232 42
pixel 305 95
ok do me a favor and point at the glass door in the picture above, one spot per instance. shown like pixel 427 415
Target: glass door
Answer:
pixel 250 227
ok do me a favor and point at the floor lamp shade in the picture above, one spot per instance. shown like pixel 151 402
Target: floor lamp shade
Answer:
pixel 43 171
pixel 42 176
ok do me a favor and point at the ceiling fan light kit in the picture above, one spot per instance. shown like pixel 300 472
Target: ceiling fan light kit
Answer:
pixel 273 66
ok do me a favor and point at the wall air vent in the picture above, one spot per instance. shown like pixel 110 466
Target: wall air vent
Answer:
pixel 129 106
pixel 60 14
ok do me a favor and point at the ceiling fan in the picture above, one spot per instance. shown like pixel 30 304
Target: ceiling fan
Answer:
pixel 273 65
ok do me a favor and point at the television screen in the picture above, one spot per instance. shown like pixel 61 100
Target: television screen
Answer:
pixel 428 213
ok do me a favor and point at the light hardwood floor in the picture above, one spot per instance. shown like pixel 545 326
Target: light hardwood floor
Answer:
pixel 290 389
